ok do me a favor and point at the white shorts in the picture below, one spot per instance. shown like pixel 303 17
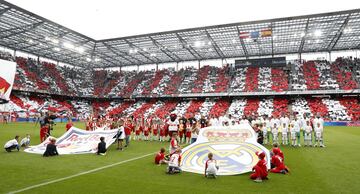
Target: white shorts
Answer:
pixel 318 135
pixel 211 171
pixel 307 136
pixel 293 135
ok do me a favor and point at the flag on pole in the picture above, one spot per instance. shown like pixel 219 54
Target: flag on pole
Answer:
pixel 266 33
pixel 244 35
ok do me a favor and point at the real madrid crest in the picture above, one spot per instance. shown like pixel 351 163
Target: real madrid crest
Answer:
pixel 233 147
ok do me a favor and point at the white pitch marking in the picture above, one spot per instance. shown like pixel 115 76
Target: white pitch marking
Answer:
pixel 78 174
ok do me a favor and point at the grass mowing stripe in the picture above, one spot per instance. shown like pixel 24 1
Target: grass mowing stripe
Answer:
pixel 79 174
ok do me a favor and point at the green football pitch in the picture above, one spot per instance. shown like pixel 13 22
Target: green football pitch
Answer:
pixel 334 169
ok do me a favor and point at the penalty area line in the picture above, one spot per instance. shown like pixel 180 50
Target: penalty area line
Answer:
pixel 79 174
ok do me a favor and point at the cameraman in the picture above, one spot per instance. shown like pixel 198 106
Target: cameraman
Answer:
pixel 49 119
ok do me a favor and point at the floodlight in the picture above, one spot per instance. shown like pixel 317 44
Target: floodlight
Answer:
pixel 68 45
pixel 197 44
pixel 80 49
pixel 55 41
pixel 317 33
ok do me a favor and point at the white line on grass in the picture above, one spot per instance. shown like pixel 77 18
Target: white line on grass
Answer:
pixel 78 174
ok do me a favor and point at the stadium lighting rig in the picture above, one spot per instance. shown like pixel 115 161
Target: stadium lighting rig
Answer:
pixel 317 33
pixel 36 35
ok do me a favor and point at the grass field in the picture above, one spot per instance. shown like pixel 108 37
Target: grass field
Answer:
pixel 334 169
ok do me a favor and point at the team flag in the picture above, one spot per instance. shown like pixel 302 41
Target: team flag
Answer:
pixel 244 35
pixel 256 34
pixel 266 33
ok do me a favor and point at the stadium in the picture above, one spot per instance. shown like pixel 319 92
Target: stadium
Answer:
pixel 232 89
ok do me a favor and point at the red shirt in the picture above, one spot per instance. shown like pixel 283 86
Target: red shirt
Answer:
pixel 277 162
pixel 43 131
pixel 280 153
pixel 159 156
pixel 174 143
pixel 68 126
pixel 261 166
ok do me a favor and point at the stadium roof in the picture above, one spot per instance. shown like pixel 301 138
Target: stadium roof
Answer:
pixel 24 31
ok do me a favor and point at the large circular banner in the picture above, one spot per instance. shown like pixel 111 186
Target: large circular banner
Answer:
pixel 234 148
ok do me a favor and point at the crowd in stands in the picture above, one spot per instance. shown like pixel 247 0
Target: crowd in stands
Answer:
pixel 46 77
pixel 334 109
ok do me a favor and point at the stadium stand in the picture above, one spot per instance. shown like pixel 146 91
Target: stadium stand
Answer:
pixel 49 78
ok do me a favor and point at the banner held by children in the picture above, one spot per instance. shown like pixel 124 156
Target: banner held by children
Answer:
pixel 77 141
pixel 234 147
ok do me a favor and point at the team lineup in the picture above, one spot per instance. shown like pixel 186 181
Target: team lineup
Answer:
pixel 282 130
pixel 179 129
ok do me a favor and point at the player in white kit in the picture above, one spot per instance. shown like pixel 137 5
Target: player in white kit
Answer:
pixel 318 123
pixel 275 132
pixel 307 136
pixel 174 162
pixel 211 167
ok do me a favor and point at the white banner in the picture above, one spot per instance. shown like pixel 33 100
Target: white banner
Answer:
pixel 7 76
pixel 77 141
pixel 234 148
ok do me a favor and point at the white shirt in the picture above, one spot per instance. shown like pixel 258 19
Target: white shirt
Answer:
pixel 11 143
pixel 308 129
pixel 244 121
pixel 211 166
pixel 173 125
pixel 194 134
pixel 122 133
pixel 25 141
pixel 214 122
pixel 284 120
pixel 223 120
pixel 319 121
pixel 273 121
pixel 274 129
pixel 296 124
pixel 174 160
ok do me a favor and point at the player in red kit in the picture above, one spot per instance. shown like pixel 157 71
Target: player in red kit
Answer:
pixel 69 125
pixel 128 129
pixel 162 131
pixel 174 145
pixel 160 157
pixel 44 131
pixel 278 151
pixel 260 169
pixel 277 163
pixel 155 131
